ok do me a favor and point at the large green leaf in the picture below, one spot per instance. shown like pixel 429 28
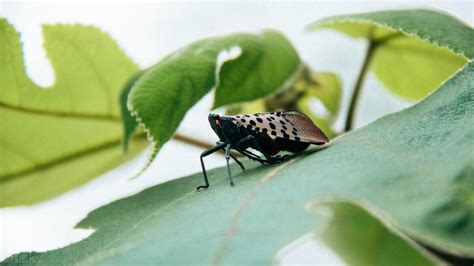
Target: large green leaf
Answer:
pixel 412 169
pixel 56 138
pixel 240 67
pixel 415 50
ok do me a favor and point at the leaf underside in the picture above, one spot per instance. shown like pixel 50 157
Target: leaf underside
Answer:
pixel 412 169
pixel 416 49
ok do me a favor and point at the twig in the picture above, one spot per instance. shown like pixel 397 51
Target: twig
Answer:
pixel 197 143
pixel 192 141
pixel 360 79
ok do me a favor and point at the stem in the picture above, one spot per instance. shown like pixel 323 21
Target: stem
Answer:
pixel 360 79
pixel 192 141
pixel 200 144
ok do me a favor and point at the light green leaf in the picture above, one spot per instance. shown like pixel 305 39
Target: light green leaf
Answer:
pixel 411 169
pixel 56 138
pixel 360 239
pixel 415 50
pixel 241 67
pixel 328 91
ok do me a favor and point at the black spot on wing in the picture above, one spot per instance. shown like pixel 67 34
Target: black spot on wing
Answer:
pixel 272 126
pixel 259 120
pixel 253 123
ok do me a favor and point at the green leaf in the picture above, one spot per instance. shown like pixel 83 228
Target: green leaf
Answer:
pixel 310 87
pixel 129 123
pixel 412 170
pixel 241 67
pixel 415 50
pixel 361 239
pixel 328 91
pixel 56 138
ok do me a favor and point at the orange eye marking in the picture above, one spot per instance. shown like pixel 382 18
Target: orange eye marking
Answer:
pixel 218 123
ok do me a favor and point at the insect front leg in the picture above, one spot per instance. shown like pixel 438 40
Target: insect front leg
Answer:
pixel 204 154
pixel 227 158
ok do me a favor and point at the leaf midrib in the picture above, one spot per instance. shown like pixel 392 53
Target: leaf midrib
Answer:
pixel 245 202
pixel 65 158
pixel 60 114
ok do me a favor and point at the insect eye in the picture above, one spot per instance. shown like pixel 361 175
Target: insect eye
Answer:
pixel 218 122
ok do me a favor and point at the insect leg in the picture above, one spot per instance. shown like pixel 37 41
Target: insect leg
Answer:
pixel 245 152
pixel 227 158
pixel 269 159
pixel 237 161
pixel 251 155
pixel 204 154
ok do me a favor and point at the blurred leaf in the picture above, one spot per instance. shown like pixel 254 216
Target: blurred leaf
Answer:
pixel 56 138
pixel 309 88
pixel 241 67
pixel 415 50
pixel 327 90
pixel 361 239
pixel 412 169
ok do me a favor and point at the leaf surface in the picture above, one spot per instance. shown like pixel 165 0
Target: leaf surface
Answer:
pixel 412 170
pixel 415 50
pixel 56 138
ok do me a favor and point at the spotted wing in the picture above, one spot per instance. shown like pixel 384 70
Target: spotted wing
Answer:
pixel 289 125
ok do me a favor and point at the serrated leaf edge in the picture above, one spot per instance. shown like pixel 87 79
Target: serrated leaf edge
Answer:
pixel 225 55
pixel 328 22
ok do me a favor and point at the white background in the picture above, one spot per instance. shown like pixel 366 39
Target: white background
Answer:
pixel 147 32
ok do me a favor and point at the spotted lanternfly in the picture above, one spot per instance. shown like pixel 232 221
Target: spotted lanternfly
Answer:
pixel 268 133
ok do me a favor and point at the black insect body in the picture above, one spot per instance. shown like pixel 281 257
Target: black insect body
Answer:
pixel 268 133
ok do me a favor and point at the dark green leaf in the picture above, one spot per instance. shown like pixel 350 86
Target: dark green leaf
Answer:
pixel 241 67
pixel 129 123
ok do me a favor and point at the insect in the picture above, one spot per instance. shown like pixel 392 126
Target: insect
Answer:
pixel 268 133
